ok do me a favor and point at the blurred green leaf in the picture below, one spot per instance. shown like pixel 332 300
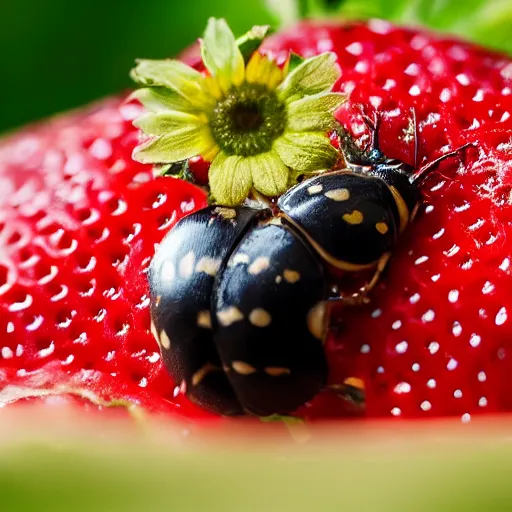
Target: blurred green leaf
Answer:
pixel 487 22
pixel 62 54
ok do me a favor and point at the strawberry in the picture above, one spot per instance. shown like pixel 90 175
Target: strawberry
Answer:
pixel 79 220
pixel 78 223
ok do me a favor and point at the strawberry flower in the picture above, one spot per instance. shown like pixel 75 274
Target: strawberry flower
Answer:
pixel 260 125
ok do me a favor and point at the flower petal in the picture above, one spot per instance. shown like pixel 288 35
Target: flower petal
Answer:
pixel 221 54
pixel 166 123
pixel 306 152
pixel 230 179
pixel 160 99
pixel 179 145
pixel 269 174
pixel 314 113
pixel 184 80
pixel 314 75
pixel 251 41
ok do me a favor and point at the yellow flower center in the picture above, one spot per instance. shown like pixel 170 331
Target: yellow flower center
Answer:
pixel 248 120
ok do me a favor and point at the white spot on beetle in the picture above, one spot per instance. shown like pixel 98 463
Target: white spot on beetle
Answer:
pixel 204 319
pixel 243 368
pixel 226 213
pixel 315 189
pixel 203 372
pixel 154 332
pixel 167 271
pixel 292 276
pixel 208 265
pixel 317 320
pixel 338 194
pixel 354 218
pixel 164 340
pixel 275 371
pixel 382 228
pixel 258 265
pixel 279 279
pixel 186 266
pixel 229 316
pixel 260 318
pixel 239 259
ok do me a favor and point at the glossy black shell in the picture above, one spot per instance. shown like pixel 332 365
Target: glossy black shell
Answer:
pixel 270 320
pixel 351 219
pixel 182 277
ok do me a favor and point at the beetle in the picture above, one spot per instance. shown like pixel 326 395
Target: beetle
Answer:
pixel 241 296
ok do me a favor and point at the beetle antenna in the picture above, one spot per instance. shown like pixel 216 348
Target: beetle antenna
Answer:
pixel 430 166
pixel 373 125
pixel 349 149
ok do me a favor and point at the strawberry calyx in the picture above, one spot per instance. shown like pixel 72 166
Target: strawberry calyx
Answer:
pixel 260 124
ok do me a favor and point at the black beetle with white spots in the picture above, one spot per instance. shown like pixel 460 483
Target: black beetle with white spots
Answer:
pixel 241 296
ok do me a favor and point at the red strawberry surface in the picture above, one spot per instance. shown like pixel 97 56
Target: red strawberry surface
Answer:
pixel 79 220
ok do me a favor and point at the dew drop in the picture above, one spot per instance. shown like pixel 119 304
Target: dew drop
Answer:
pixel 453 296
pixel 428 316
pixel 456 329
pixel 426 405
pixel 475 340
pixel 433 347
pixel 452 364
pixel 414 298
pixel 402 347
pixel 439 234
pixel 501 317
pixel 420 260
pixel 402 387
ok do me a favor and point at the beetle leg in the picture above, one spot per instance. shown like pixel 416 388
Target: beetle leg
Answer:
pixel 360 298
pixel 352 390
pixel 381 265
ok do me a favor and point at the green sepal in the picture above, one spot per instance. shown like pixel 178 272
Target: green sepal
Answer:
pixel 230 179
pixel 314 75
pixel 269 174
pixel 179 170
pixel 314 113
pixel 168 122
pixel 251 41
pixel 175 75
pixel 306 152
pixel 221 55
pixel 174 147
pixel 295 61
pixel 161 99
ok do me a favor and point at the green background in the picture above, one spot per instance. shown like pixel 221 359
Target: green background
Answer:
pixel 58 54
